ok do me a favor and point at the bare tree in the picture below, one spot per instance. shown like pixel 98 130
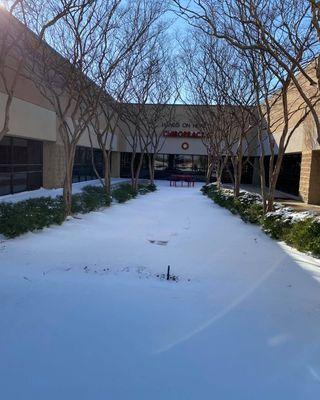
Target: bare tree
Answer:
pixel 92 41
pixel 105 122
pixel 139 119
pixel 157 113
pixel 234 84
pixel 211 106
pixel 279 39
pixel 288 31
pixel 17 20
pixel 156 120
pixel 63 76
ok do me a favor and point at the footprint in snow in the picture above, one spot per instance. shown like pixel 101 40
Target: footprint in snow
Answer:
pixel 159 242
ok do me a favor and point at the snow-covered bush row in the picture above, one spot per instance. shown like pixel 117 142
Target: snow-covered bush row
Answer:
pixel 30 215
pixel 125 191
pixel 298 229
pixel 38 213
pixel 247 205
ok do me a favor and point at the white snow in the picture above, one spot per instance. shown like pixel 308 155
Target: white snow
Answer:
pixel 76 188
pixel 84 316
pixel 289 214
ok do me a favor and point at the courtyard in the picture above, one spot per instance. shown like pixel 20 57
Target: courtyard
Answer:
pixel 86 311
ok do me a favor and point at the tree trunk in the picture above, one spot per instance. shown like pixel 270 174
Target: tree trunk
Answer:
pixel 262 174
pixel 107 177
pixel 209 171
pixel 273 181
pixel 67 185
pixel 133 157
pixel 237 177
pixel 271 196
pixel 238 170
pixel 219 174
pixel 94 164
pixel 5 129
pixel 137 173
pixel 151 168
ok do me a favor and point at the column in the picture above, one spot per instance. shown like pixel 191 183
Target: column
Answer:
pixel 310 177
pixel 53 165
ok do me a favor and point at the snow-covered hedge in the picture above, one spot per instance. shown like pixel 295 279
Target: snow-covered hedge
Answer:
pixel 91 198
pixel 125 192
pixel 247 205
pixel 38 213
pixel 298 229
pixel 30 215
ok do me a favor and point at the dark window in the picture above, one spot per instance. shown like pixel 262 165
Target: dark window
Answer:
pixel 247 171
pixel 83 169
pixel 183 163
pixel 20 165
pixel 125 165
pixel 167 164
pixel 5 183
pixel 20 151
pixel 200 164
pixel 5 151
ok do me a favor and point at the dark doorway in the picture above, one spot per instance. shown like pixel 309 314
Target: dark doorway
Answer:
pixel 289 176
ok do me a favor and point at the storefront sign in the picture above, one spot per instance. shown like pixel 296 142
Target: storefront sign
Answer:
pixel 183 134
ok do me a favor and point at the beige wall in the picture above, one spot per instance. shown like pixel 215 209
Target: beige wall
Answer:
pixel 178 121
pixel 304 137
pixel 30 121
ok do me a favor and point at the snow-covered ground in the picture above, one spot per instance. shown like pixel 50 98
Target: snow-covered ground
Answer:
pixel 84 316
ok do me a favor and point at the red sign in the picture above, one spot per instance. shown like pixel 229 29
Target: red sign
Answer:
pixel 183 134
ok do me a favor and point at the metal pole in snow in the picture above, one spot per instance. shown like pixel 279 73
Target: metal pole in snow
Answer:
pixel 168 273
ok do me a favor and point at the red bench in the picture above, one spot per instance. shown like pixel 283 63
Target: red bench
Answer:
pixel 182 178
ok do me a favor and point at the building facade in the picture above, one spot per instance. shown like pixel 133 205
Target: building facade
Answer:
pixel 32 154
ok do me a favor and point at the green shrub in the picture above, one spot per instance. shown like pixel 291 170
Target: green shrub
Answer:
pixel 124 193
pixel 91 198
pixel 209 190
pixel 121 195
pixel 30 215
pixel 224 199
pixel 34 214
pixel 274 225
pixel 151 187
pixel 247 205
pixel 299 230
pixel 252 213
pixel 77 203
pixel 305 236
pixel 205 189
pixel 144 189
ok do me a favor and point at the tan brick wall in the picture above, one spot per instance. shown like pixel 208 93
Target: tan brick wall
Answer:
pixel 305 175
pixel 53 165
pixel 310 177
pixel 314 188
